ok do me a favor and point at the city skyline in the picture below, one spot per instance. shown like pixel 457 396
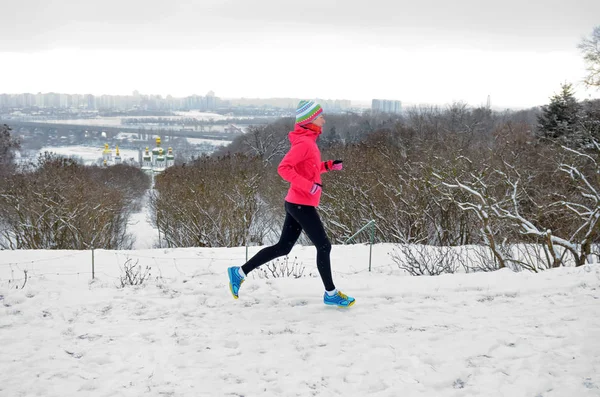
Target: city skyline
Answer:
pixel 148 94
pixel 137 100
pixel 426 52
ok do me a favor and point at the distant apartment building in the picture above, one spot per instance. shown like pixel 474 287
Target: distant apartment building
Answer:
pixel 39 100
pixel 64 100
pixel 90 102
pixel 195 102
pixel 386 106
pixel 53 100
pixel 105 102
pixel 335 105
pixel 211 101
pixel 28 100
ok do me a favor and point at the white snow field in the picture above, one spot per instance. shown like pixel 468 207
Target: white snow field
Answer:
pixel 182 334
pixel 89 155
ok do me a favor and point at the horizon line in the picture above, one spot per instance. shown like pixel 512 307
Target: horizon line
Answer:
pixel 406 103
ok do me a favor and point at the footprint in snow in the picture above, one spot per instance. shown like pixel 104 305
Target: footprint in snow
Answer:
pixel 298 302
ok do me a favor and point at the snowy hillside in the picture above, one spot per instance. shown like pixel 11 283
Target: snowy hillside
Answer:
pixel 182 334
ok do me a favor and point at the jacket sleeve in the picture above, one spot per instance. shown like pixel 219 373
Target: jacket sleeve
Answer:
pixel 287 170
pixel 326 166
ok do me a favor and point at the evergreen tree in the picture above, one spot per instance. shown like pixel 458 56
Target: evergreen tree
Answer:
pixel 561 119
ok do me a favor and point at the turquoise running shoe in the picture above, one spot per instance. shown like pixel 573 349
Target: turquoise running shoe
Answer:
pixel 235 281
pixel 339 299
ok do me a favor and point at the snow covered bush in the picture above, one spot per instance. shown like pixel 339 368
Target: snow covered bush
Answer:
pixel 427 260
pixel 133 274
pixel 281 267
pixel 479 258
pixel 210 203
pixel 60 204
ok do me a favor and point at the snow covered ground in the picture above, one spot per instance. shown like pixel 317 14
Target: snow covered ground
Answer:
pixel 209 142
pixel 182 334
pixel 140 226
pixel 116 121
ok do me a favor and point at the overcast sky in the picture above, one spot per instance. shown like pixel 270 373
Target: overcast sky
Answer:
pixel 426 51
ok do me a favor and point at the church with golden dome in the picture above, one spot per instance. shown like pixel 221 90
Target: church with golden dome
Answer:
pixel 152 162
pixel 157 160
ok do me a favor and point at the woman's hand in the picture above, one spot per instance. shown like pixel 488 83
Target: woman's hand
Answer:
pixel 317 187
pixel 334 165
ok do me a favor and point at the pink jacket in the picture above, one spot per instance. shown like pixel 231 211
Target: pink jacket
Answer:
pixel 302 167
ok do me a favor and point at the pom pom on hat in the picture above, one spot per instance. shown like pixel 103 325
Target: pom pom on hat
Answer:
pixel 307 111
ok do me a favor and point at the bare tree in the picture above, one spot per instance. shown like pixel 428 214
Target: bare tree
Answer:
pixel 8 146
pixel 268 142
pixel 588 208
pixel 590 47
pixel 482 204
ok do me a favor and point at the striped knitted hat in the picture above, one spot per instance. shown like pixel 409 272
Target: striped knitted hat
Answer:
pixel 307 111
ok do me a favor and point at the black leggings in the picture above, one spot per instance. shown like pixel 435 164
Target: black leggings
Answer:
pixel 298 218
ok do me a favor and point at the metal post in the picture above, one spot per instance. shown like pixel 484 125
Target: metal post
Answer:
pixel 246 236
pixel 371 246
pixel 371 224
pixel 93 241
pixel 158 228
